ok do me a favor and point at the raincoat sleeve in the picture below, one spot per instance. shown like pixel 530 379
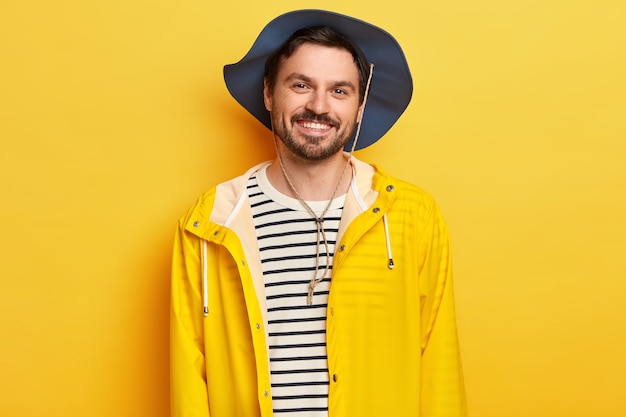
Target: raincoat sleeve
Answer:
pixel 188 389
pixel 443 393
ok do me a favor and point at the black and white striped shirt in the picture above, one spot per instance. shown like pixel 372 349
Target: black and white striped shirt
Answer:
pixel 287 237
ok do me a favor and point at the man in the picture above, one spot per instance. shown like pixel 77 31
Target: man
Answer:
pixel 316 285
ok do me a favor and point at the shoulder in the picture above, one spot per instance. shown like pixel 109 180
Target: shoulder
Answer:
pixel 219 201
pixel 404 190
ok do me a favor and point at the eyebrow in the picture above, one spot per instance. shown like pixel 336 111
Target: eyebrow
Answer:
pixel 339 83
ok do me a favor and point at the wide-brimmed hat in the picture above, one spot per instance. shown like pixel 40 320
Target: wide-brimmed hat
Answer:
pixel 391 87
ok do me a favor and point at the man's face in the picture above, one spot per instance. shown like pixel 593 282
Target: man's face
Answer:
pixel 315 101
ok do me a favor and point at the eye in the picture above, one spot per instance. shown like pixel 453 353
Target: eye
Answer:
pixel 339 91
pixel 300 86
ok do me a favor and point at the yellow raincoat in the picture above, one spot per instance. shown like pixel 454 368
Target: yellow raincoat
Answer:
pixel 391 332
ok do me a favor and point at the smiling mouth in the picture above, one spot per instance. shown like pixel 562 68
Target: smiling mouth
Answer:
pixel 315 125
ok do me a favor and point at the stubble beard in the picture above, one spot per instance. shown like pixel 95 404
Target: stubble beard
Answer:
pixel 310 149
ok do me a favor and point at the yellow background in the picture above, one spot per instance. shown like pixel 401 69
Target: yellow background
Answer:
pixel 114 118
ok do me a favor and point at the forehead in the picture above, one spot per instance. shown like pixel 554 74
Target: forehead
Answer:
pixel 320 61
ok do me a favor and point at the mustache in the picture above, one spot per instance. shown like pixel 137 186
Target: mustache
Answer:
pixel 312 116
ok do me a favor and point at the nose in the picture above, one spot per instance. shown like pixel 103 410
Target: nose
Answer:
pixel 318 102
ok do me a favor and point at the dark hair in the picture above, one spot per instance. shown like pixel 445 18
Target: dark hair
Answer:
pixel 319 35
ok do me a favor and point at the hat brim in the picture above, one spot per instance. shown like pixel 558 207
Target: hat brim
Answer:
pixel 391 87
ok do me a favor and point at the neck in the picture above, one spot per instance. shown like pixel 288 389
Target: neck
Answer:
pixel 314 181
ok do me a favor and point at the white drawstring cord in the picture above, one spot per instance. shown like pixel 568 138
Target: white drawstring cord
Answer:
pixel 205 257
pixel 363 206
pixel 390 265
pixel 205 283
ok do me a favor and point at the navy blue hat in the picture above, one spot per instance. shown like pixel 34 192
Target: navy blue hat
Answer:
pixel 390 90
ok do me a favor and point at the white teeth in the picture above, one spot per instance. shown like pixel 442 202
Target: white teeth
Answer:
pixel 312 125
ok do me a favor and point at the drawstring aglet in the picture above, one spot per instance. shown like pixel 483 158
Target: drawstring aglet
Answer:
pixel 390 265
pixel 309 299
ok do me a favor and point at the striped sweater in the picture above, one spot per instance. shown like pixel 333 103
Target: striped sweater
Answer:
pixel 288 238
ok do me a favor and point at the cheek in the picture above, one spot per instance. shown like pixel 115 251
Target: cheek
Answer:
pixel 288 104
pixel 351 115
